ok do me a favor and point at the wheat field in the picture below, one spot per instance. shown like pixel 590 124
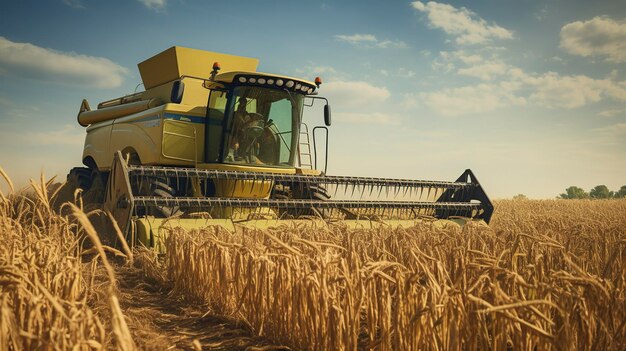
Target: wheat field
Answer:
pixel 46 296
pixel 545 275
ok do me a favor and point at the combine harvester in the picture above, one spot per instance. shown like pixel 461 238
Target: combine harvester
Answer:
pixel 226 145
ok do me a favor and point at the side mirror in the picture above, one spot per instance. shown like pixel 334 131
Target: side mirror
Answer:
pixel 178 88
pixel 327 115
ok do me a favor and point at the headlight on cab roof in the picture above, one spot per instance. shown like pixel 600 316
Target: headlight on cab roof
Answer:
pixel 292 85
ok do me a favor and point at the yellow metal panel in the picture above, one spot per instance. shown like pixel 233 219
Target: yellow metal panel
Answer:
pixel 311 172
pixel 177 61
pixel 195 92
pixel 163 92
pixel 180 141
pixel 199 111
pixel 97 144
pixel 180 136
pixel 243 188
pixel 140 132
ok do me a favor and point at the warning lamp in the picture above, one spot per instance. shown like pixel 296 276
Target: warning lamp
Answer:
pixel 216 67
pixel 318 81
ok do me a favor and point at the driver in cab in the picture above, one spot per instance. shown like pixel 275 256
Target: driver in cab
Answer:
pixel 248 127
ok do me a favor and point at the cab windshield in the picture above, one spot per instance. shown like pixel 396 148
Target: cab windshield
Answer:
pixel 262 127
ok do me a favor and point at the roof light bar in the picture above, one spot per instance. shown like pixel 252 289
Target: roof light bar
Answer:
pixel 296 86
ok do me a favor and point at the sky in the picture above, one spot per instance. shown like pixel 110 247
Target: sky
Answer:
pixel 530 95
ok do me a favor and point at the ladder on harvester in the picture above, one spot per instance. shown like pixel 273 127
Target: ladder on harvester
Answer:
pixel 304 148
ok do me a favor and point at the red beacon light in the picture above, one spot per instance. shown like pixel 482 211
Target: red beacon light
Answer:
pixel 216 67
pixel 318 81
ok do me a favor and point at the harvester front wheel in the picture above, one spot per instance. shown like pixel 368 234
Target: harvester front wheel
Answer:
pixel 302 191
pixel 89 181
pixel 159 187
pixel 79 178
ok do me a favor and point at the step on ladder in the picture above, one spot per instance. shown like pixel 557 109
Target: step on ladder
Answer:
pixel 304 148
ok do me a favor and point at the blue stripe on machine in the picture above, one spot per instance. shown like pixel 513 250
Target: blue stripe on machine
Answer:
pixel 184 118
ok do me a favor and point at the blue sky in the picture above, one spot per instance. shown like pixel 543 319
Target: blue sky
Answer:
pixel 531 95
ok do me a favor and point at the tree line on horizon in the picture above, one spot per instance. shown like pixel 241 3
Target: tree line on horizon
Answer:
pixel 574 192
pixel 598 192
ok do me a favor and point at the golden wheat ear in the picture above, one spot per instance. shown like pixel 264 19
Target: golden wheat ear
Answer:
pixel 7 180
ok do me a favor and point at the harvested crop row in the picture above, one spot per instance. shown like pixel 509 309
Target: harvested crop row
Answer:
pixel 538 284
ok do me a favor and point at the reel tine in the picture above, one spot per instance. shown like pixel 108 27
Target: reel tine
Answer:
pixel 251 187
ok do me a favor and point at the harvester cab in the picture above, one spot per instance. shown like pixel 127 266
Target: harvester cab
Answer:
pixel 211 141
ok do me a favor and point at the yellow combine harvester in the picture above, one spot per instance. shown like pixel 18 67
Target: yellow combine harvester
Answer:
pixel 213 141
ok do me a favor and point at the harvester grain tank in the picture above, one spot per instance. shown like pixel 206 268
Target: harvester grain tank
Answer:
pixel 211 141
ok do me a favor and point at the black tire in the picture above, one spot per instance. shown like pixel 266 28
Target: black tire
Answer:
pixel 80 178
pixel 96 192
pixel 158 187
pixel 85 179
pixel 302 191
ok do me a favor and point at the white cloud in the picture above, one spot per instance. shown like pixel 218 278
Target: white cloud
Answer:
pixel 556 59
pixel 327 73
pixel 370 41
pixel 358 102
pixel 472 65
pixel 550 90
pixel 468 59
pixel 556 91
pixel 612 112
pixel 31 61
pixel 600 36
pixel 407 73
pixel 156 5
pixel 513 86
pixel 471 99
pixel 464 25
pixel 391 44
pixel 356 39
pixel 351 94
pixel 485 71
